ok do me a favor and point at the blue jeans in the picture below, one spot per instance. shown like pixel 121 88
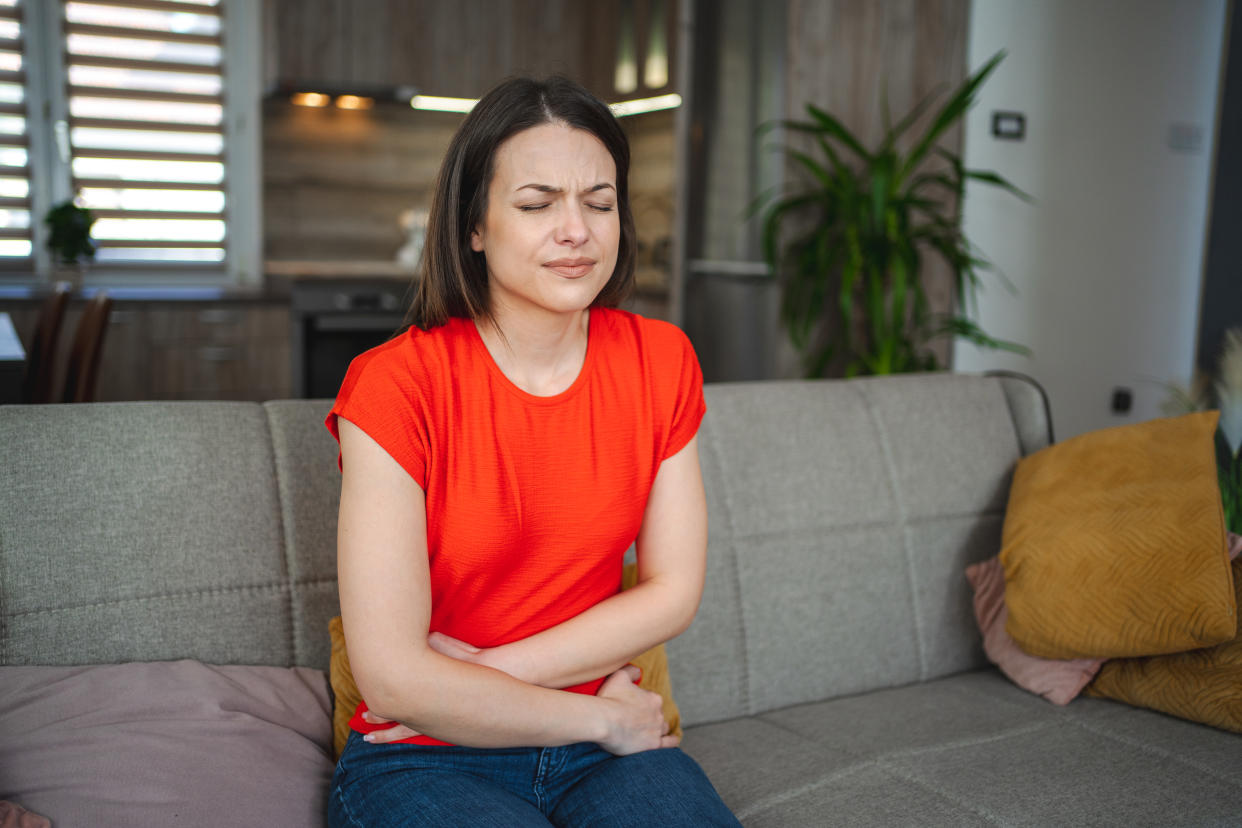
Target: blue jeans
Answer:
pixel 575 785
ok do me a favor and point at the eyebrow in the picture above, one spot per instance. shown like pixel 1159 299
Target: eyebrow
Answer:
pixel 548 188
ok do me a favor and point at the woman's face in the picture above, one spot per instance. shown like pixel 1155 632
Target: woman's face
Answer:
pixel 551 229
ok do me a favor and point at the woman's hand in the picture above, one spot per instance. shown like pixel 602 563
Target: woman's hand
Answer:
pixel 395 733
pixel 637 721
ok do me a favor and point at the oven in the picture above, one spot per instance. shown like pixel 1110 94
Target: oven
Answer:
pixel 334 320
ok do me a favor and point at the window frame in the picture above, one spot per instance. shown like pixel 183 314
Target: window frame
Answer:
pixel 50 163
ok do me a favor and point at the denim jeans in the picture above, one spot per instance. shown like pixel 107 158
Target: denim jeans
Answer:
pixel 575 785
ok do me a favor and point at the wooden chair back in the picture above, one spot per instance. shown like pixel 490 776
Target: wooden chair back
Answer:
pixel 83 369
pixel 41 358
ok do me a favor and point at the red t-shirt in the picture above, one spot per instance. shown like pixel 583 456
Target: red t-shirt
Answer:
pixel 531 501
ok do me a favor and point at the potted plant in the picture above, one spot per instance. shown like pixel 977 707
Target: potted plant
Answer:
pixel 1224 393
pixel 849 248
pixel 69 236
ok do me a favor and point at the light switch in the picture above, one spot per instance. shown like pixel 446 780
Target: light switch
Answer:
pixel 1009 126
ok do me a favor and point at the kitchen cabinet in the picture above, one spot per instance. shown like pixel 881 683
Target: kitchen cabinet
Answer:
pixel 228 350
pixel 460 48
pixel 192 351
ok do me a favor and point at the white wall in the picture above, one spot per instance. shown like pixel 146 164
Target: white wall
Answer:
pixel 1108 262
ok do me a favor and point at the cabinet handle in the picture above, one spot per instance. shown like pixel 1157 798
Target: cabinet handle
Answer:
pixel 219 353
pixel 219 316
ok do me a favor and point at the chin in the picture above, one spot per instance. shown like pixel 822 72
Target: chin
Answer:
pixel 575 296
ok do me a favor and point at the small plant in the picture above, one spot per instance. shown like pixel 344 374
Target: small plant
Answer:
pixel 69 238
pixel 849 248
pixel 1224 392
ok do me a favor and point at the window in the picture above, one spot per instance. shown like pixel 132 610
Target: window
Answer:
pixel 15 242
pixel 150 111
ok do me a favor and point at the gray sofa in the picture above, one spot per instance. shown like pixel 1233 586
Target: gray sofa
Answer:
pixel 834 674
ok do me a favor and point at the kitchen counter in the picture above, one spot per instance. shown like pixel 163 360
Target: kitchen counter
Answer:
pixel 277 287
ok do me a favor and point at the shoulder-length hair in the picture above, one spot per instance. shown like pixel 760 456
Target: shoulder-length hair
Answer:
pixel 452 278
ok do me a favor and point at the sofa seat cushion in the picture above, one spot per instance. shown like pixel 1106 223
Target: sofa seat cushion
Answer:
pixel 969 749
pixel 166 743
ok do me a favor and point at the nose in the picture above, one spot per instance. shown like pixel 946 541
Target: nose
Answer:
pixel 573 227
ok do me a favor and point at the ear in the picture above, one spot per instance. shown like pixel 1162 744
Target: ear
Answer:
pixel 476 240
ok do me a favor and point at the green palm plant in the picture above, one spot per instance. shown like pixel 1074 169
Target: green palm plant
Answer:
pixel 852 288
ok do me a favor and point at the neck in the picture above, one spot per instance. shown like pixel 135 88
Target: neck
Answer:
pixel 541 356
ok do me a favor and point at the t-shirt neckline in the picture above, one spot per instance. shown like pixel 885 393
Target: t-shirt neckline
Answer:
pixel 593 321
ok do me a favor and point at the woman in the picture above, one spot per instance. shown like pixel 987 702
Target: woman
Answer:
pixel 498 457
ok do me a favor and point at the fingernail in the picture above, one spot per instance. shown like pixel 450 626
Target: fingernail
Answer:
pixel 370 737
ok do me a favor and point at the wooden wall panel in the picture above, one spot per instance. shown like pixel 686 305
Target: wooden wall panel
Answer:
pixel 845 56
pixel 458 48
pixel 336 182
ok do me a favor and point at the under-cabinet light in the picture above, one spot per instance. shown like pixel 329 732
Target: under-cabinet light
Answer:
pixel 354 102
pixel 641 105
pixel 619 109
pixel 310 99
pixel 438 104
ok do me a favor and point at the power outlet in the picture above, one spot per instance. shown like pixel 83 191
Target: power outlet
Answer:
pixel 1123 400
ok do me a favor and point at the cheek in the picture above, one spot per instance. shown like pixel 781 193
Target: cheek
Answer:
pixel 609 230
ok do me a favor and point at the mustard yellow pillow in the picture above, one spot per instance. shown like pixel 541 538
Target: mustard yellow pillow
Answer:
pixel 653 663
pixel 344 690
pixel 1201 685
pixel 1114 544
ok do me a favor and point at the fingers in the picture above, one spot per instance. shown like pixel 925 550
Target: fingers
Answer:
pixel 440 638
pixel 392 734
pixel 395 733
pixel 632 673
pixel 670 741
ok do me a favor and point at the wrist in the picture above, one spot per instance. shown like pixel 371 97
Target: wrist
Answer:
pixel 603 723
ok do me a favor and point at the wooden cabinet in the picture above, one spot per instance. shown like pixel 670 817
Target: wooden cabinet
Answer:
pixel 225 351
pixel 460 48
pixel 182 350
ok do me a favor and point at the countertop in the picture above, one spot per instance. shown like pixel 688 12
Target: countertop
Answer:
pixel 279 278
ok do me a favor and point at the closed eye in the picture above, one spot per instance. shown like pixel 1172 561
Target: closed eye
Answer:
pixel 530 208
pixel 601 208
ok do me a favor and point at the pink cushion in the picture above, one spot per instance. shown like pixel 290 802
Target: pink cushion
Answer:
pixel 1057 681
pixel 167 743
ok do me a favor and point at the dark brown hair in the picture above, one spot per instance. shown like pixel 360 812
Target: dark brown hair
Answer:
pixel 452 279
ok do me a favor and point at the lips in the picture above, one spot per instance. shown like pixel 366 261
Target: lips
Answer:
pixel 571 268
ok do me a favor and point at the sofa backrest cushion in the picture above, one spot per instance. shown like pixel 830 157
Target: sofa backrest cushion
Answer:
pixel 141 531
pixel 842 515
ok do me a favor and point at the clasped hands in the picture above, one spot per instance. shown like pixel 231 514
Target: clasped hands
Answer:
pixel 638 720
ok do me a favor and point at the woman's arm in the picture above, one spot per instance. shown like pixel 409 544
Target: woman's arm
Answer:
pixel 672 561
pixel 385 589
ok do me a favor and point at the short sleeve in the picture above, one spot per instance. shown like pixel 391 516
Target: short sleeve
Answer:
pixel 381 396
pixel 689 405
